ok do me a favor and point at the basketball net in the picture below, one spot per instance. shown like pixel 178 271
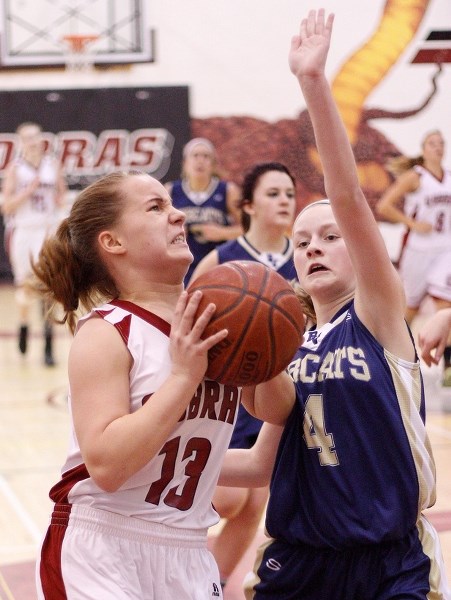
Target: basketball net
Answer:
pixel 78 55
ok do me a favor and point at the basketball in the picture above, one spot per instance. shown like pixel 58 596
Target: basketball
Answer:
pixel 262 314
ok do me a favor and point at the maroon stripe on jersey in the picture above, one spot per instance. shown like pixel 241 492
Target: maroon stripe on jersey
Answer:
pixel 50 572
pixel 60 491
pixel 124 327
pixel 104 313
pixel 144 314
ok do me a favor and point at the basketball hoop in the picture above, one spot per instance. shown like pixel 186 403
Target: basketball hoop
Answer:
pixel 78 55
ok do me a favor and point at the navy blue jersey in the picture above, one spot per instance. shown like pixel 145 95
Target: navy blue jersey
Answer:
pixel 247 427
pixel 209 206
pixel 354 465
pixel 241 249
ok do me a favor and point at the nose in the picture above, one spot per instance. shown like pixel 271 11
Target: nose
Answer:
pixel 177 216
pixel 314 249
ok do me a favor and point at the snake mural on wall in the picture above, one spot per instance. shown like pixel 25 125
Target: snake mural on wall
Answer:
pixel 242 140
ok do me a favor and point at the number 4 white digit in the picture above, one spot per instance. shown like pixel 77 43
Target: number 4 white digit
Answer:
pixel 315 434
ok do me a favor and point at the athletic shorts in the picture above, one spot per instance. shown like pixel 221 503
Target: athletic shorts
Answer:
pixel 425 272
pixel 91 554
pixel 408 568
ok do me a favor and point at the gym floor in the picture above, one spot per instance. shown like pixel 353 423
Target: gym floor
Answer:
pixel 33 442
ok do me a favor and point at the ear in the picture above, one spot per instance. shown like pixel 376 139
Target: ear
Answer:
pixel 248 208
pixel 109 242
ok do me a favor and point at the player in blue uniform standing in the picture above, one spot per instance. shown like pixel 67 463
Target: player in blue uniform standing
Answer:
pixel 267 212
pixel 209 203
pixel 354 468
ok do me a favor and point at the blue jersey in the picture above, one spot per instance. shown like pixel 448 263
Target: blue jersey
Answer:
pixel 209 206
pixel 241 249
pixel 354 465
pixel 247 427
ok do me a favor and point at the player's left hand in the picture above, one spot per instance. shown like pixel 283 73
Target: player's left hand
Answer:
pixel 309 49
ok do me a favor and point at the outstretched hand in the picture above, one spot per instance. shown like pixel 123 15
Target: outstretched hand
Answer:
pixel 309 49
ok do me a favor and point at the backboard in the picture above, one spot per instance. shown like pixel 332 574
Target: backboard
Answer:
pixel 33 31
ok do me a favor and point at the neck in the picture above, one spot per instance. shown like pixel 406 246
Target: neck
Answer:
pixel 434 167
pixel 274 240
pixel 325 311
pixel 198 184
pixel 34 158
pixel 155 296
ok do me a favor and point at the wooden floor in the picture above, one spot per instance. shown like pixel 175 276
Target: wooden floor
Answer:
pixel 33 442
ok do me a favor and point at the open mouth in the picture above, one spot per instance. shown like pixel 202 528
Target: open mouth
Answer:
pixel 180 239
pixel 316 268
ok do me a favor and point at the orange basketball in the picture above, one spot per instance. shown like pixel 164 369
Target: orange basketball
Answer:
pixel 262 314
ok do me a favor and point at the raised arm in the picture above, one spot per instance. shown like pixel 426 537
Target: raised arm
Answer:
pixel 379 296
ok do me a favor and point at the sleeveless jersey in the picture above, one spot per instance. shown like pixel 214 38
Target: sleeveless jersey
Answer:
pixel 247 427
pixel 241 249
pixel 39 210
pixel 175 488
pixel 209 206
pixel 354 465
pixel 431 202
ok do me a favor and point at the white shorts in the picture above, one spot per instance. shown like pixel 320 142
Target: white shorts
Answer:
pixel 425 272
pixel 24 245
pixel 91 554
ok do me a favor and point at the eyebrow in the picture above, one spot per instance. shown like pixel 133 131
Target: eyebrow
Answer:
pixel 158 199
pixel 323 227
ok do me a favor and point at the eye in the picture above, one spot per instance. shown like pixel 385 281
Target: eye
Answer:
pixel 302 244
pixel 331 237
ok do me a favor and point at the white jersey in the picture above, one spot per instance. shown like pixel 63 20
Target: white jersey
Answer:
pixel 431 203
pixel 38 211
pixel 175 488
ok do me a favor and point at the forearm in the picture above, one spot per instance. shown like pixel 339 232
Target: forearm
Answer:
pixel 252 467
pixel 393 214
pixel 340 174
pixel 130 441
pixel 230 232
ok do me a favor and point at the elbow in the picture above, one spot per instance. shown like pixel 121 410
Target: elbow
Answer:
pixel 380 209
pixel 107 478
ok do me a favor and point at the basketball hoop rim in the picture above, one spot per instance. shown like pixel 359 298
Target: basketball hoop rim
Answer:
pixel 79 42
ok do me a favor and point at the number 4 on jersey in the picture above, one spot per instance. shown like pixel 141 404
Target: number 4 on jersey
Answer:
pixel 315 434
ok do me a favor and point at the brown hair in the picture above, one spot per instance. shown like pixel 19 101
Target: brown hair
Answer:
pixel 250 182
pixel 69 271
pixel 400 164
pixel 306 303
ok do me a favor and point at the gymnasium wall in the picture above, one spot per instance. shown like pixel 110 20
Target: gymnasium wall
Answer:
pixel 231 58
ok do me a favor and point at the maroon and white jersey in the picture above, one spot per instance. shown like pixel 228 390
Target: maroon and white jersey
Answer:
pixel 431 203
pixel 39 209
pixel 176 486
